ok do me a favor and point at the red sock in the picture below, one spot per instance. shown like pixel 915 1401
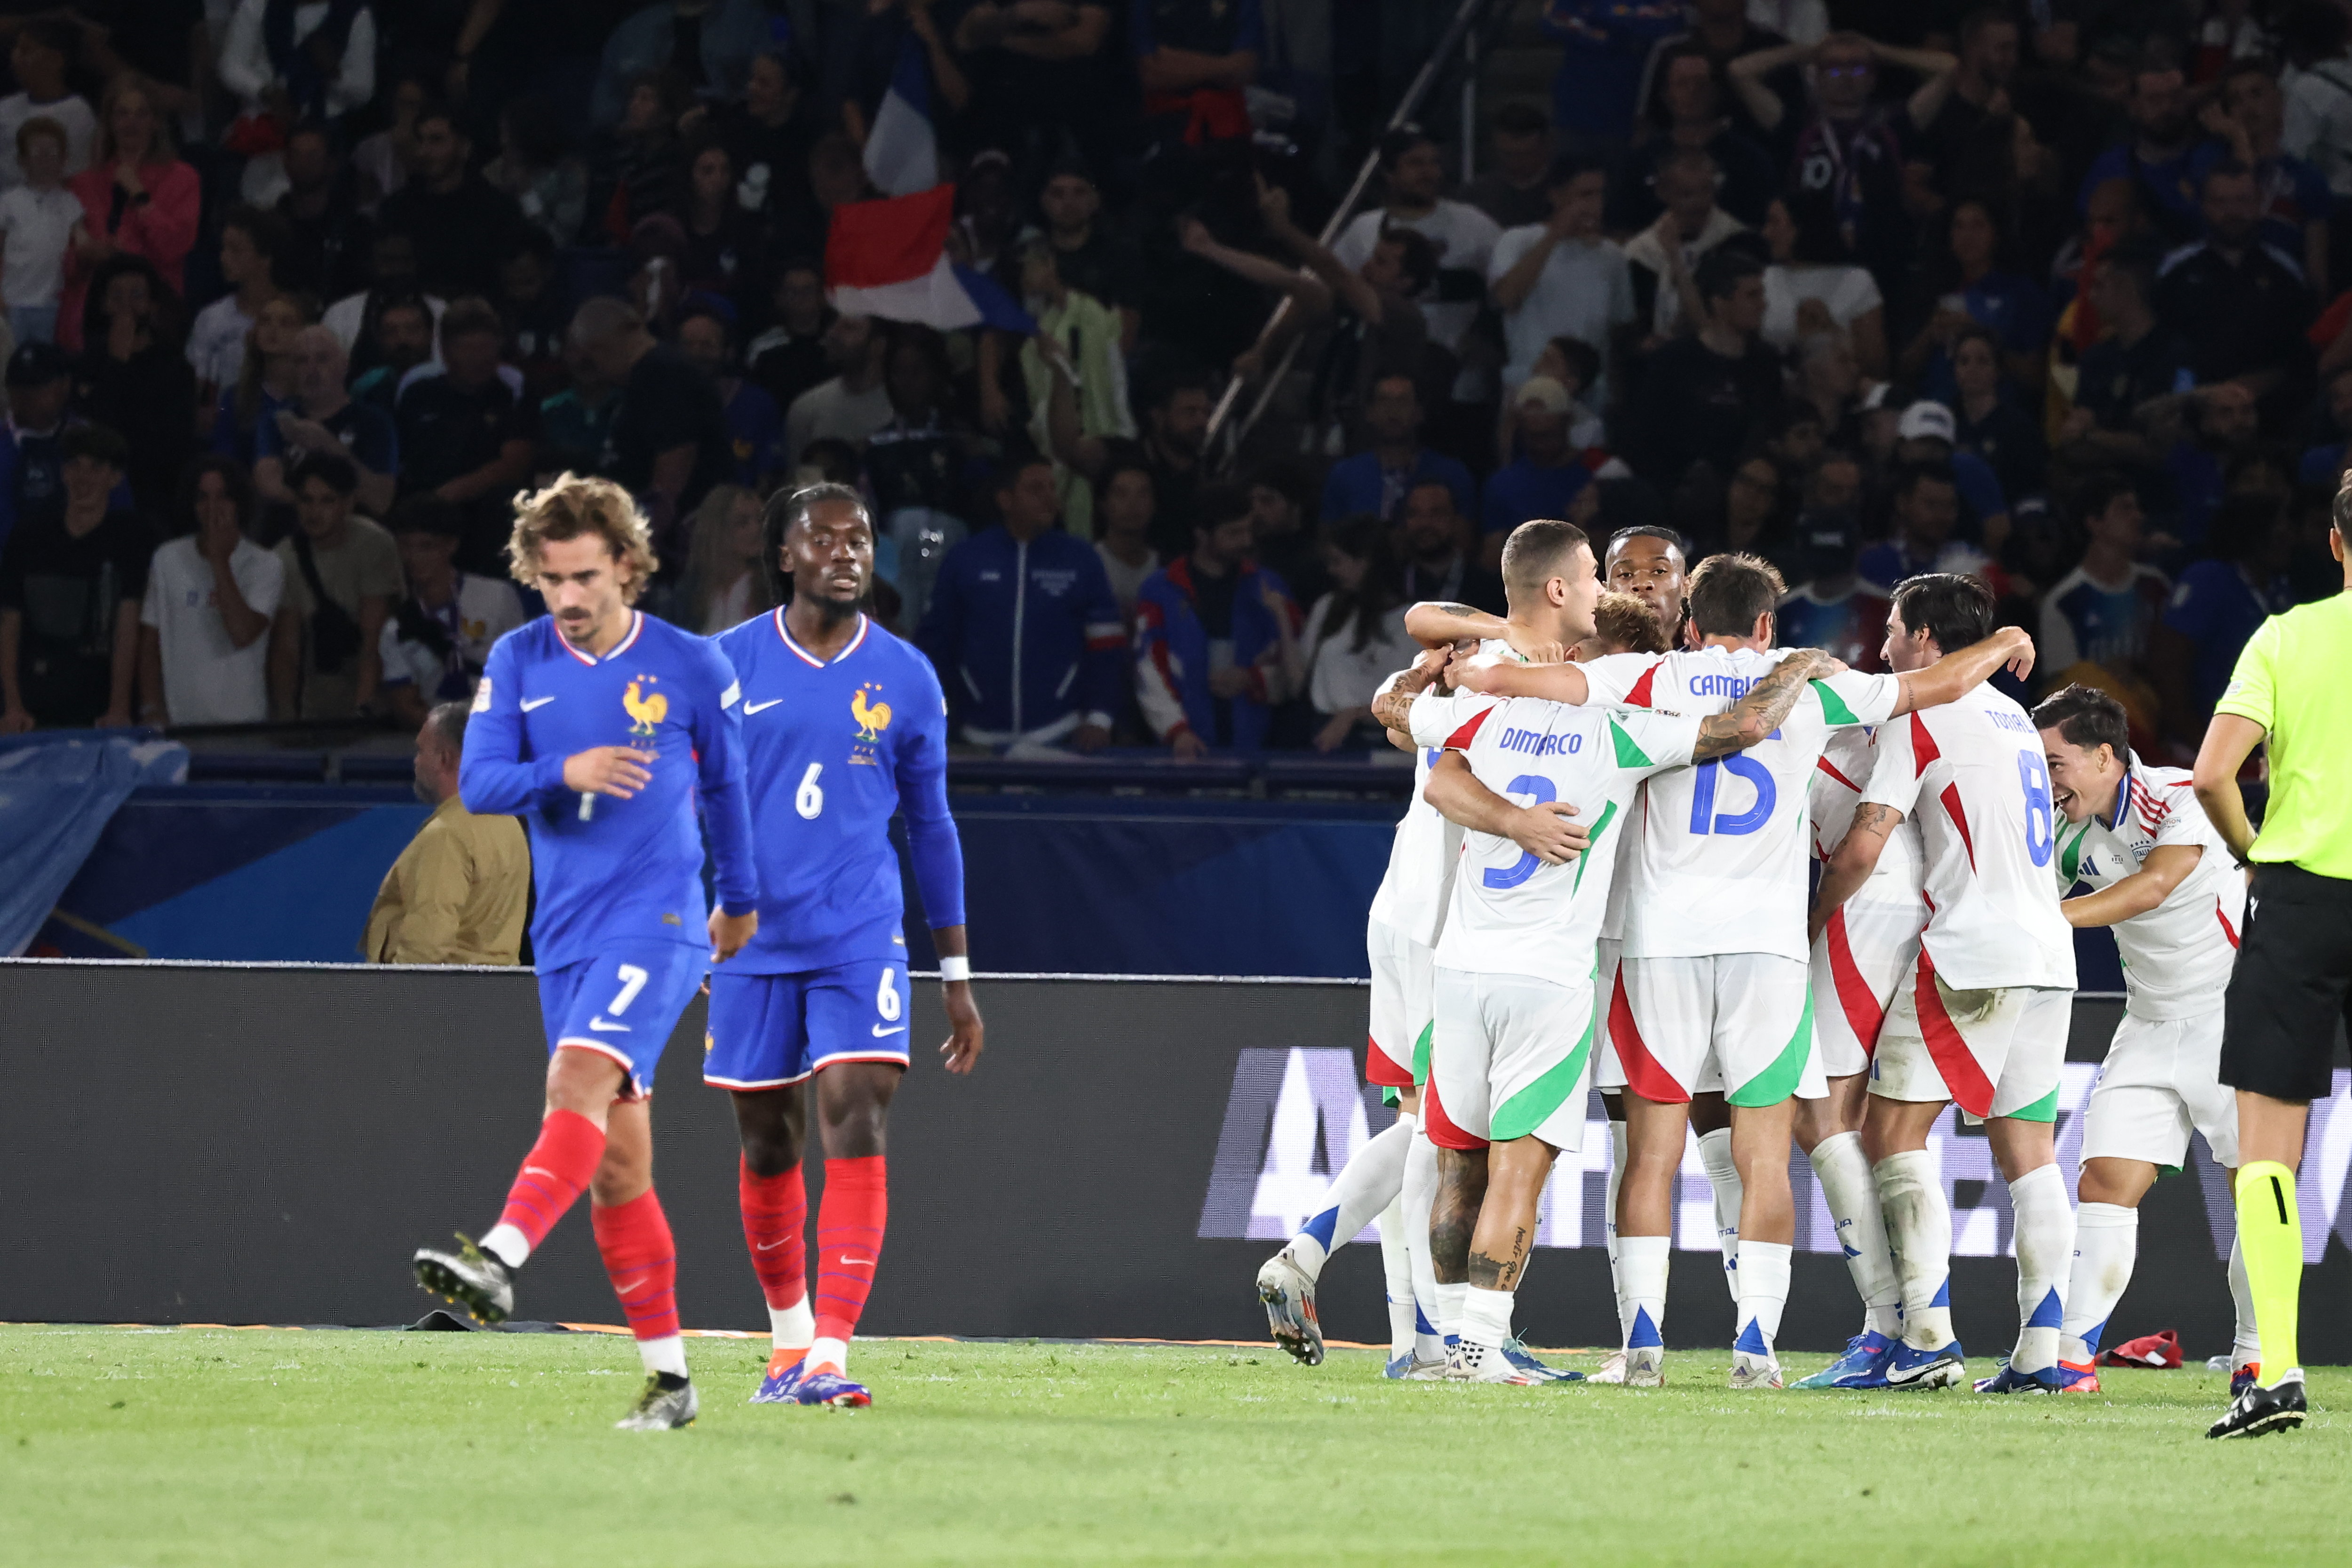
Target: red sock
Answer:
pixel 553 1174
pixel 775 1226
pixel 642 1262
pixel 849 1221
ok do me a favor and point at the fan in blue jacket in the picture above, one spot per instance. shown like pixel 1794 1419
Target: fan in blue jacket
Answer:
pixel 1214 636
pixel 1023 626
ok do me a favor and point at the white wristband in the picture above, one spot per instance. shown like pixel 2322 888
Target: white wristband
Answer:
pixel 954 969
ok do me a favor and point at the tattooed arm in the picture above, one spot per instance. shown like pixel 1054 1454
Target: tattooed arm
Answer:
pixel 1436 623
pixel 1759 712
pixel 1851 862
pixel 1393 704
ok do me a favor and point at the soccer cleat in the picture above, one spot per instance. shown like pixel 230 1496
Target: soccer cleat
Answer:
pixel 2009 1380
pixel 1863 1365
pixel 668 1403
pixel 2161 1349
pixel 1409 1368
pixel 1472 1362
pixel 1612 1369
pixel 2261 1410
pixel 776 1387
pixel 1645 1367
pixel 1910 1367
pixel 1516 1352
pixel 1753 1372
pixel 831 1388
pixel 1289 1298
pixel 2243 1378
pixel 469 1278
pixel 2074 1377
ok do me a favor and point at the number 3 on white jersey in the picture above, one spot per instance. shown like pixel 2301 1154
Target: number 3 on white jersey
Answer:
pixel 809 800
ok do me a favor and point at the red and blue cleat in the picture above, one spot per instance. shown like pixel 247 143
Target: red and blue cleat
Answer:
pixel 1864 1365
pixel 2075 1377
pixel 782 1378
pixel 826 1387
pixel 2010 1380
pixel 2244 1377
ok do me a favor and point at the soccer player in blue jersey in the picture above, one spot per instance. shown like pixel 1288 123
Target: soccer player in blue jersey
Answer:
pixel 844 726
pixel 598 726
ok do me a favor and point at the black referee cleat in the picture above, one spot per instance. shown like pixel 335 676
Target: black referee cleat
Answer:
pixel 2260 1410
pixel 469 1278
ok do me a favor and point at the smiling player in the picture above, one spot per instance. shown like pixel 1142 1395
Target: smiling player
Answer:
pixel 844 726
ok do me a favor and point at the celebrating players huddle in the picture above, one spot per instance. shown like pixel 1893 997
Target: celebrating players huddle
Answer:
pixel 1603 880
pixel 801 733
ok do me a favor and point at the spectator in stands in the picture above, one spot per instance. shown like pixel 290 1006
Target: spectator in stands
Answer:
pixel 1433 539
pixel 1375 480
pixel 458 222
pixel 2317 82
pixel 1560 277
pixel 1574 364
pixel 1980 88
pixel 1516 190
pixel 2096 621
pixel 2141 360
pixel 1927 513
pixel 250 239
pixel 755 425
pixel 537 169
pixel 1038 74
pixel 71 586
pixel 1831 607
pixel 769 133
pixel 922 468
pixel 2156 156
pixel 290 63
pixel 1753 517
pixel 1926 433
pixel 1215 639
pixel 465 434
pixel 137 197
pixel 1986 420
pixel 853 404
pixel 1023 626
pixel 574 423
pixel 1687 110
pixel 326 233
pixel 1175 434
pixel 723 242
pixel 1085 331
pixel 2216 606
pixel 1090 257
pixel 405 326
pixel 133 378
pixel 1605 46
pixel 203 642
pixel 1969 288
pixel 2241 306
pixel 1813 286
pixel 38 219
pixel 1545 477
pixel 1123 507
pixel 44 47
pixel 1355 637
pixel 2322 463
pixel 1663 258
pixel 460 891
pixel 32 462
pixel 709 44
pixel 789 358
pixel 264 380
pixel 725 581
pixel 1194 58
pixel 668 445
pixel 1702 395
pixel 438 638
pixel 357 318
pixel 2249 123
pixel 343 577
pixel 323 418
pixel 532 312
pixel 1282 532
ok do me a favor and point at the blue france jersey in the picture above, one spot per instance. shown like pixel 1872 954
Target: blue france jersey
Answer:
pixel 832 752
pixel 606 869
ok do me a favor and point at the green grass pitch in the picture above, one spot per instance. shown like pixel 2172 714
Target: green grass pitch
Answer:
pixel 218 1446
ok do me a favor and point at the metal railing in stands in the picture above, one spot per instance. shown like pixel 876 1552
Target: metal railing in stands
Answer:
pixel 1460 38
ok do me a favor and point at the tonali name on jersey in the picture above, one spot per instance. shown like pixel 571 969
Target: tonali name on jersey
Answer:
pixel 1839 779
pixel 1971 774
pixel 1724 846
pixel 2177 956
pixel 1513 914
pixel 1419 883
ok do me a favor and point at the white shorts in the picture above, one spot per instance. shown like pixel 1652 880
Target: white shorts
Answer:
pixel 1511 1057
pixel 1397 1053
pixel 1739 1022
pixel 1861 959
pixel 1993 1053
pixel 2161 1079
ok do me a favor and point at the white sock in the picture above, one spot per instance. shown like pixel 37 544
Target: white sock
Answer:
pixel 2247 1346
pixel 2045 1252
pixel 1723 1175
pixel 1449 1309
pixel 834 1353
pixel 1844 1171
pixel 1396 1269
pixel 791 1328
pixel 664 1354
pixel 1920 1229
pixel 1419 1196
pixel 1763 1293
pixel 1644 1261
pixel 1616 1272
pixel 1373 1176
pixel 1485 1317
pixel 507 1244
pixel 2106 1242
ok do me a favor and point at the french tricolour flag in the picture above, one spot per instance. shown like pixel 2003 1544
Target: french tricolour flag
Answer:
pixel 890 258
pixel 902 155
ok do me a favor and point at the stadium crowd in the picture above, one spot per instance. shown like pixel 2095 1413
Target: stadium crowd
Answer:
pixel 299 295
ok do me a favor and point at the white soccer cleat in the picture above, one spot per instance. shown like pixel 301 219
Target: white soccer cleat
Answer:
pixel 1426 1371
pixel 1755 1371
pixel 1288 1296
pixel 1612 1369
pixel 1472 1362
pixel 1645 1368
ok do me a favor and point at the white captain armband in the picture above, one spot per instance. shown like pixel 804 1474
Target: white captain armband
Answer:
pixel 954 969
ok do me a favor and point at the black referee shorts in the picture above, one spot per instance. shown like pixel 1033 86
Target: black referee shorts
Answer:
pixel 2287 995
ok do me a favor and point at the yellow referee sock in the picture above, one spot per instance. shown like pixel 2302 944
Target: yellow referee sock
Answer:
pixel 2269 1235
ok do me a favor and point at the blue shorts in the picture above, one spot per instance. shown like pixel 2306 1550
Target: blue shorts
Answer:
pixel 768 1030
pixel 623 1004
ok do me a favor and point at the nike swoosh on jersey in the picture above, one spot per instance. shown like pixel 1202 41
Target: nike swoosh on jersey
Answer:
pixel 857 1262
pixel 772 1246
pixel 531 703
pixel 751 708
pixel 879 1031
pixel 607 1027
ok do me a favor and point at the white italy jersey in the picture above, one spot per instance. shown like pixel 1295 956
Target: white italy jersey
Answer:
pixel 1838 782
pixel 1512 913
pixel 1418 886
pixel 1724 846
pixel 2177 956
pixel 1971 774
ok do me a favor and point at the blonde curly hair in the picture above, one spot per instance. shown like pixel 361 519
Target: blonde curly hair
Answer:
pixel 578 504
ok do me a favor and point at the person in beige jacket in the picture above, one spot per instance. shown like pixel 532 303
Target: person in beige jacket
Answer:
pixel 459 892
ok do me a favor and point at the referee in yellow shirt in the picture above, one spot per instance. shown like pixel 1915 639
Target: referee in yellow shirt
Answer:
pixel 2294 970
